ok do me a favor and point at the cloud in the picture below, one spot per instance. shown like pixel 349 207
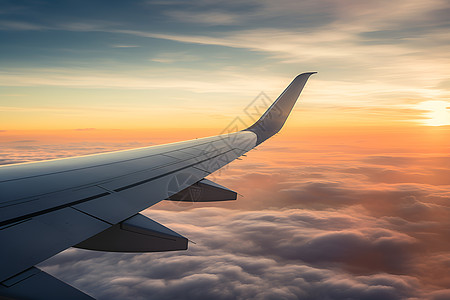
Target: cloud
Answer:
pixel 20 26
pixel 222 81
pixel 24 141
pixel 369 56
pixel 440 295
pixel 314 224
pixel 125 46
pixel 210 18
pixel 317 33
pixel 85 129
pixel 257 255
pixel 321 47
pixel 171 57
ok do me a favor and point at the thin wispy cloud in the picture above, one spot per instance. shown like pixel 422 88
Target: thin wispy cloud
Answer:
pixel 90 78
pixel 18 26
pixel 125 46
pixel 210 18
pixel 172 57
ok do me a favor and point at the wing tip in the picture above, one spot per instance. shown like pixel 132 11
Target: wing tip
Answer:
pixel 306 74
pixel 276 115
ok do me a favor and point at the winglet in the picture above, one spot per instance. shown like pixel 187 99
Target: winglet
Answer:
pixel 274 118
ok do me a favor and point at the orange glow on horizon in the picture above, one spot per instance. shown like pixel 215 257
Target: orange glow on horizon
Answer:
pixel 407 137
pixel 438 112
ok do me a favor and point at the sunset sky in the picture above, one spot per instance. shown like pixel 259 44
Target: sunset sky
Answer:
pixel 350 201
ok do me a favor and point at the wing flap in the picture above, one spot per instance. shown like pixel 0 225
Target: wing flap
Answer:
pixel 33 240
pixel 15 211
pixel 204 191
pixel 35 284
pixel 136 234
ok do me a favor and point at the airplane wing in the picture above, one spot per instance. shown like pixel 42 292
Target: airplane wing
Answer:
pixel 93 202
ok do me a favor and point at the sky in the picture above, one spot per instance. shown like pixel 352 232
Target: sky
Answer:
pixel 349 201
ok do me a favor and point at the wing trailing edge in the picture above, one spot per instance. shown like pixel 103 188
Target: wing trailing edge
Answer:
pixel 136 234
pixel 204 191
pixel 34 284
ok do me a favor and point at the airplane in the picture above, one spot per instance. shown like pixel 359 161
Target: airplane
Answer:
pixel 93 201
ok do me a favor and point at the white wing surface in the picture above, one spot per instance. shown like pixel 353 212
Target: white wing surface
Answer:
pixel 93 201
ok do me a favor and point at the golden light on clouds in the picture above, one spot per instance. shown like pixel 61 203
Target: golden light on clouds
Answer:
pixel 438 112
pixel 372 195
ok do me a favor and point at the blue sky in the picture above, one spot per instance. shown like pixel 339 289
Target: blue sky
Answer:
pixel 370 56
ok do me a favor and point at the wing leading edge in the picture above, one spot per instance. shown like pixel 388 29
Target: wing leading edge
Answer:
pixel 94 201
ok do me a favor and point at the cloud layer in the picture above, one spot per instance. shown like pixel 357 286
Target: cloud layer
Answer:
pixel 320 220
pixel 288 254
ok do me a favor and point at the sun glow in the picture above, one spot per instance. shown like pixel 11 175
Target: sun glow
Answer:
pixel 438 112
